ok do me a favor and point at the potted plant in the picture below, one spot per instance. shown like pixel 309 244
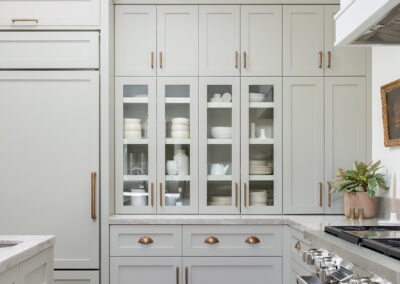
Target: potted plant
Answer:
pixel 359 186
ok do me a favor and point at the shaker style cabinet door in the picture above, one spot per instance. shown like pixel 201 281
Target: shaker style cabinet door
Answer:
pixel 135 40
pixel 177 40
pixel 341 61
pixel 219 40
pixel 303 145
pixel 49 148
pixel 345 131
pixel 303 40
pixel 145 270
pixel 261 40
pixel 177 145
pixel 135 145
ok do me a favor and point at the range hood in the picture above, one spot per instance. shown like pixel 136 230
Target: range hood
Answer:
pixel 368 22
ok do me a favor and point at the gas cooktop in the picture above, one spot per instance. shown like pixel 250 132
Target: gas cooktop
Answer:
pixel 383 239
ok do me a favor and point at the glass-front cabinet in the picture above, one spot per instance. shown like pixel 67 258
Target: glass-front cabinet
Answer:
pixel 261 145
pixel 219 145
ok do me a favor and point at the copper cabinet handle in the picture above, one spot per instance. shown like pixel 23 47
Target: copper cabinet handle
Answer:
pixel 320 194
pixel 329 194
pixel 161 197
pixel 152 60
pixel 329 59
pixel 152 194
pixel 211 240
pixel 160 59
pixel 297 245
pixel 244 59
pixel 236 59
pixel 236 194
pixel 253 240
pixel 320 59
pixel 24 20
pixel 187 275
pixel 93 195
pixel 177 275
pixel 245 194
pixel 146 240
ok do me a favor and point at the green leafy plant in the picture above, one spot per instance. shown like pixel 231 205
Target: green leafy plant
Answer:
pixel 362 178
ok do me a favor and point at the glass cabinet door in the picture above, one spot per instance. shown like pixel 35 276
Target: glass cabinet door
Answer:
pixel 177 147
pixel 135 145
pixel 261 152
pixel 219 145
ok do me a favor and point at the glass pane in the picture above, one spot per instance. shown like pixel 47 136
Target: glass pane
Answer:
pixel 261 193
pixel 135 153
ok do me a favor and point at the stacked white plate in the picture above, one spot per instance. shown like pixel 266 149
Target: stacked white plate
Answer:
pixel 132 128
pixel 260 167
pixel 220 201
pixel 258 197
pixel 180 128
pixel 221 132
pixel 257 97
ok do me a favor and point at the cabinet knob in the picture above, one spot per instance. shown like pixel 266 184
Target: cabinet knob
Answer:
pixel 211 240
pixel 145 240
pixel 297 245
pixel 253 240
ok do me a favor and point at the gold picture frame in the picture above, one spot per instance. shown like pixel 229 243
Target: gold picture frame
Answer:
pixel 390 95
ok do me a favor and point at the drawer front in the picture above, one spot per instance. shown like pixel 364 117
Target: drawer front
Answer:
pixel 39 13
pixel 297 244
pixel 49 50
pixel 198 240
pixel 162 240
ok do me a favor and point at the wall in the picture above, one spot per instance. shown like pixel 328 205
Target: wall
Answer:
pixel 385 69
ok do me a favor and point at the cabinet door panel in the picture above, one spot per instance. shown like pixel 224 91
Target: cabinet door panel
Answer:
pixel 11 276
pixel 303 40
pixel 345 131
pixel 261 38
pixel 236 270
pixel 135 40
pixel 38 269
pixel 345 60
pixel 145 270
pixel 49 152
pixel 303 146
pixel 177 40
pixel 219 36
pixel 76 277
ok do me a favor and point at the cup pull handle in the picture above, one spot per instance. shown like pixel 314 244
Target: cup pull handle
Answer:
pixel 211 240
pixel 145 240
pixel 253 240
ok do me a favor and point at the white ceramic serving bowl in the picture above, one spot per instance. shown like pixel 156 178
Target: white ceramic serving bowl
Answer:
pixel 258 192
pixel 221 135
pixel 216 100
pixel 133 126
pixel 132 120
pixel 180 120
pixel 132 134
pixel 221 129
pixel 256 97
pixel 179 127
pixel 222 199
pixel 180 134
pixel 226 97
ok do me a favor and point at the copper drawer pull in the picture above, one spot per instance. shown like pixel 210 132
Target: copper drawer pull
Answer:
pixel 25 20
pixel 160 59
pixel 320 59
pixel 187 275
pixel 145 240
pixel 244 59
pixel 161 196
pixel 329 194
pixel 297 245
pixel 177 275
pixel 236 194
pixel 236 59
pixel 152 60
pixel 329 59
pixel 320 194
pixel 253 240
pixel 245 194
pixel 211 240
pixel 93 195
pixel 152 194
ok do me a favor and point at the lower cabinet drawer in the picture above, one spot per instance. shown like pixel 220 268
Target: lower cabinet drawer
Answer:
pixel 232 240
pixel 297 244
pixel 146 240
pixel 76 277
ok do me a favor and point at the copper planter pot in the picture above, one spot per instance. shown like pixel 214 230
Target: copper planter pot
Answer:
pixel 359 200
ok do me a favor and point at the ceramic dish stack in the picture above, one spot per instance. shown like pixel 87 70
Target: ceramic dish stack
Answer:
pixel 258 197
pixel 260 167
pixel 180 128
pixel 221 132
pixel 132 128
pixel 220 201
pixel 257 97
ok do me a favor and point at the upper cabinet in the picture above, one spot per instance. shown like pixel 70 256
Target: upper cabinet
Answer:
pixel 261 40
pixel 303 40
pixel 46 14
pixel 219 40
pixel 177 40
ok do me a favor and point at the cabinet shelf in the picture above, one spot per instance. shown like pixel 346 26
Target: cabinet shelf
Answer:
pixel 219 178
pixel 219 141
pixel 136 177
pixel 136 141
pixel 140 100
pixel 261 141
pixel 177 100
pixel 220 105
pixel 177 178
pixel 177 141
pixel 261 105
pixel 261 177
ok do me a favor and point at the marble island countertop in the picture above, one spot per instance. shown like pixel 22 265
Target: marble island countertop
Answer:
pixel 25 248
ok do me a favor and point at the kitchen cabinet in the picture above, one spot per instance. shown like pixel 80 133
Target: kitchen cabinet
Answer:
pixel 296 270
pixel 135 40
pixel 261 145
pixel 53 142
pixel 303 145
pixel 76 277
pixel 219 145
pixel 146 270
pixel 219 40
pixel 177 40
pixel 261 40
pixel 235 270
pixel 303 40
pixel 341 61
pixel 10 276
pixel 345 131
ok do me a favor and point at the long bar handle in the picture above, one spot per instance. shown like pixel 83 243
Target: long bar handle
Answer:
pixel 161 197
pixel 329 59
pixel 160 59
pixel 152 194
pixel 320 59
pixel 93 195
pixel 152 60
pixel 24 20
pixel 186 275
pixel 329 193
pixel 236 194
pixel 236 59
pixel 244 59
pixel 320 194
pixel 177 275
pixel 245 194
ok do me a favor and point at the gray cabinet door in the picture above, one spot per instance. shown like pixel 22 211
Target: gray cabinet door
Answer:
pixel 303 145
pixel 345 131
pixel 233 270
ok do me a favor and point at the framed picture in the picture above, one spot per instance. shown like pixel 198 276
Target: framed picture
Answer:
pixel 390 94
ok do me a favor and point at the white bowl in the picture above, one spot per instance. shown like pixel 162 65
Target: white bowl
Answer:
pixel 179 127
pixel 132 126
pixel 132 120
pixel 221 135
pixel 216 100
pixel 226 97
pixel 132 134
pixel 180 120
pixel 180 134
pixel 221 129
pixel 257 97
pixel 258 192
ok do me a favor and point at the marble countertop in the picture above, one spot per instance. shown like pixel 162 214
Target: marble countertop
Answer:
pixel 27 247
